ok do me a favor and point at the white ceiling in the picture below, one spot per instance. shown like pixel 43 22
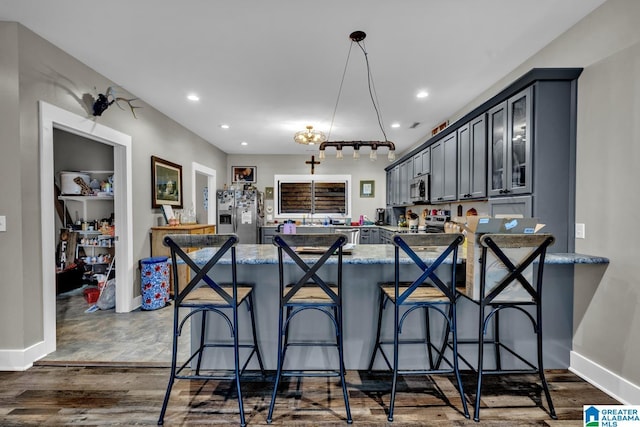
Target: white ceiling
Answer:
pixel 268 68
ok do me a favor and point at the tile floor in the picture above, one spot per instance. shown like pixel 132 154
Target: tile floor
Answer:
pixel 103 337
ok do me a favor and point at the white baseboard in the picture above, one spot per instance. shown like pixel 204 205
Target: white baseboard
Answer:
pixel 609 382
pixel 21 360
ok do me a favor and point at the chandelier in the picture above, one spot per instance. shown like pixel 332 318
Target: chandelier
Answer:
pixel 309 136
pixel 357 37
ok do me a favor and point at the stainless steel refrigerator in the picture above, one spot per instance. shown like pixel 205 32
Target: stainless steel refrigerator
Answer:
pixel 238 213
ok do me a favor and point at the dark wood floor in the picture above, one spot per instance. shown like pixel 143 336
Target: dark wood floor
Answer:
pixel 111 369
pixel 58 395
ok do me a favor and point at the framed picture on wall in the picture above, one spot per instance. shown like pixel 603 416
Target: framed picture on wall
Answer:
pixel 367 188
pixel 244 174
pixel 166 183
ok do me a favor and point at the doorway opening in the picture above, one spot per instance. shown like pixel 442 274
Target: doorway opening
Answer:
pixel 52 117
pixel 204 191
pixel 85 254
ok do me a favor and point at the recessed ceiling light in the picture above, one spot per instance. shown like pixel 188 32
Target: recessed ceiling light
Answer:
pixel 244 143
pixel 422 94
pixel 193 97
pixel 395 125
pixel 224 126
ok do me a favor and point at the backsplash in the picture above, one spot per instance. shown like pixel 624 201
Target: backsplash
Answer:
pixel 481 207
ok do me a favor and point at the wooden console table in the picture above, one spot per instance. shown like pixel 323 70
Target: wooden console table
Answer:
pixel 158 249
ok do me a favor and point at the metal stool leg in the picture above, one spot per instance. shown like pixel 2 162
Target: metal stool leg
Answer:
pixel 342 368
pixel 476 412
pixel 456 368
pixel 545 386
pixel 395 361
pixel 255 335
pixel 172 377
pixel 203 316
pixel 427 325
pixel 236 359
pixel 376 346
pixel 496 340
pixel 276 384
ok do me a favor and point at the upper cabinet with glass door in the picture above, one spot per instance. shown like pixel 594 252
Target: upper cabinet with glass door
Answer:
pixel 510 146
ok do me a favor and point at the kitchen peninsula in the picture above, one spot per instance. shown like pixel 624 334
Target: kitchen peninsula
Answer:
pixel 363 269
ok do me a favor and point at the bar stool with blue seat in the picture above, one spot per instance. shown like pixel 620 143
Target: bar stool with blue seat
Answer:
pixel 432 291
pixel 508 280
pixel 208 296
pixel 313 283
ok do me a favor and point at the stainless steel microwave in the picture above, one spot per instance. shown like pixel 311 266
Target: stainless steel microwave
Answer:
pixel 419 189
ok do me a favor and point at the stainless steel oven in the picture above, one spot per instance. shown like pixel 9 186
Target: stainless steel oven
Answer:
pixel 419 189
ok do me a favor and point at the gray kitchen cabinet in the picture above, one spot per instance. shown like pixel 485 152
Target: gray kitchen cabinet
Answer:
pixel 385 236
pixel 406 173
pixel 472 159
pixel 507 206
pixel 390 192
pixel 444 162
pixel 393 186
pixel 422 163
pixel 510 163
pixel 398 179
pixel 266 235
pixel 417 165
pixel 531 151
pixel 369 235
pixel 309 229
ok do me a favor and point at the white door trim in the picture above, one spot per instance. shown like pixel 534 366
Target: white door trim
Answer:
pixel 54 117
pixel 211 185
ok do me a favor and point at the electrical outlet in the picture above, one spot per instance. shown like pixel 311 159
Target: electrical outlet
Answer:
pixel 3 223
pixel 580 231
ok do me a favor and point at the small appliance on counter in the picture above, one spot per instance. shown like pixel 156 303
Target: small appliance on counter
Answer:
pixel 413 221
pixel 380 214
pixel 434 222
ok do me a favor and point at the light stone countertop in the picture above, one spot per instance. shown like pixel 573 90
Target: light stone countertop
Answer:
pixel 254 254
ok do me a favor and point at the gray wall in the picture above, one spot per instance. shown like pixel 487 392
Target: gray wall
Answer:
pixel 362 169
pixel 32 69
pixel 13 315
pixel 607 44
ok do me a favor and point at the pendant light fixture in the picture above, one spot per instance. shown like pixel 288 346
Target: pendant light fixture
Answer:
pixel 309 136
pixel 358 37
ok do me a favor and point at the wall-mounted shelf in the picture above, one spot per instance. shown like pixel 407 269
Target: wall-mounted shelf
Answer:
pixel 83 200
